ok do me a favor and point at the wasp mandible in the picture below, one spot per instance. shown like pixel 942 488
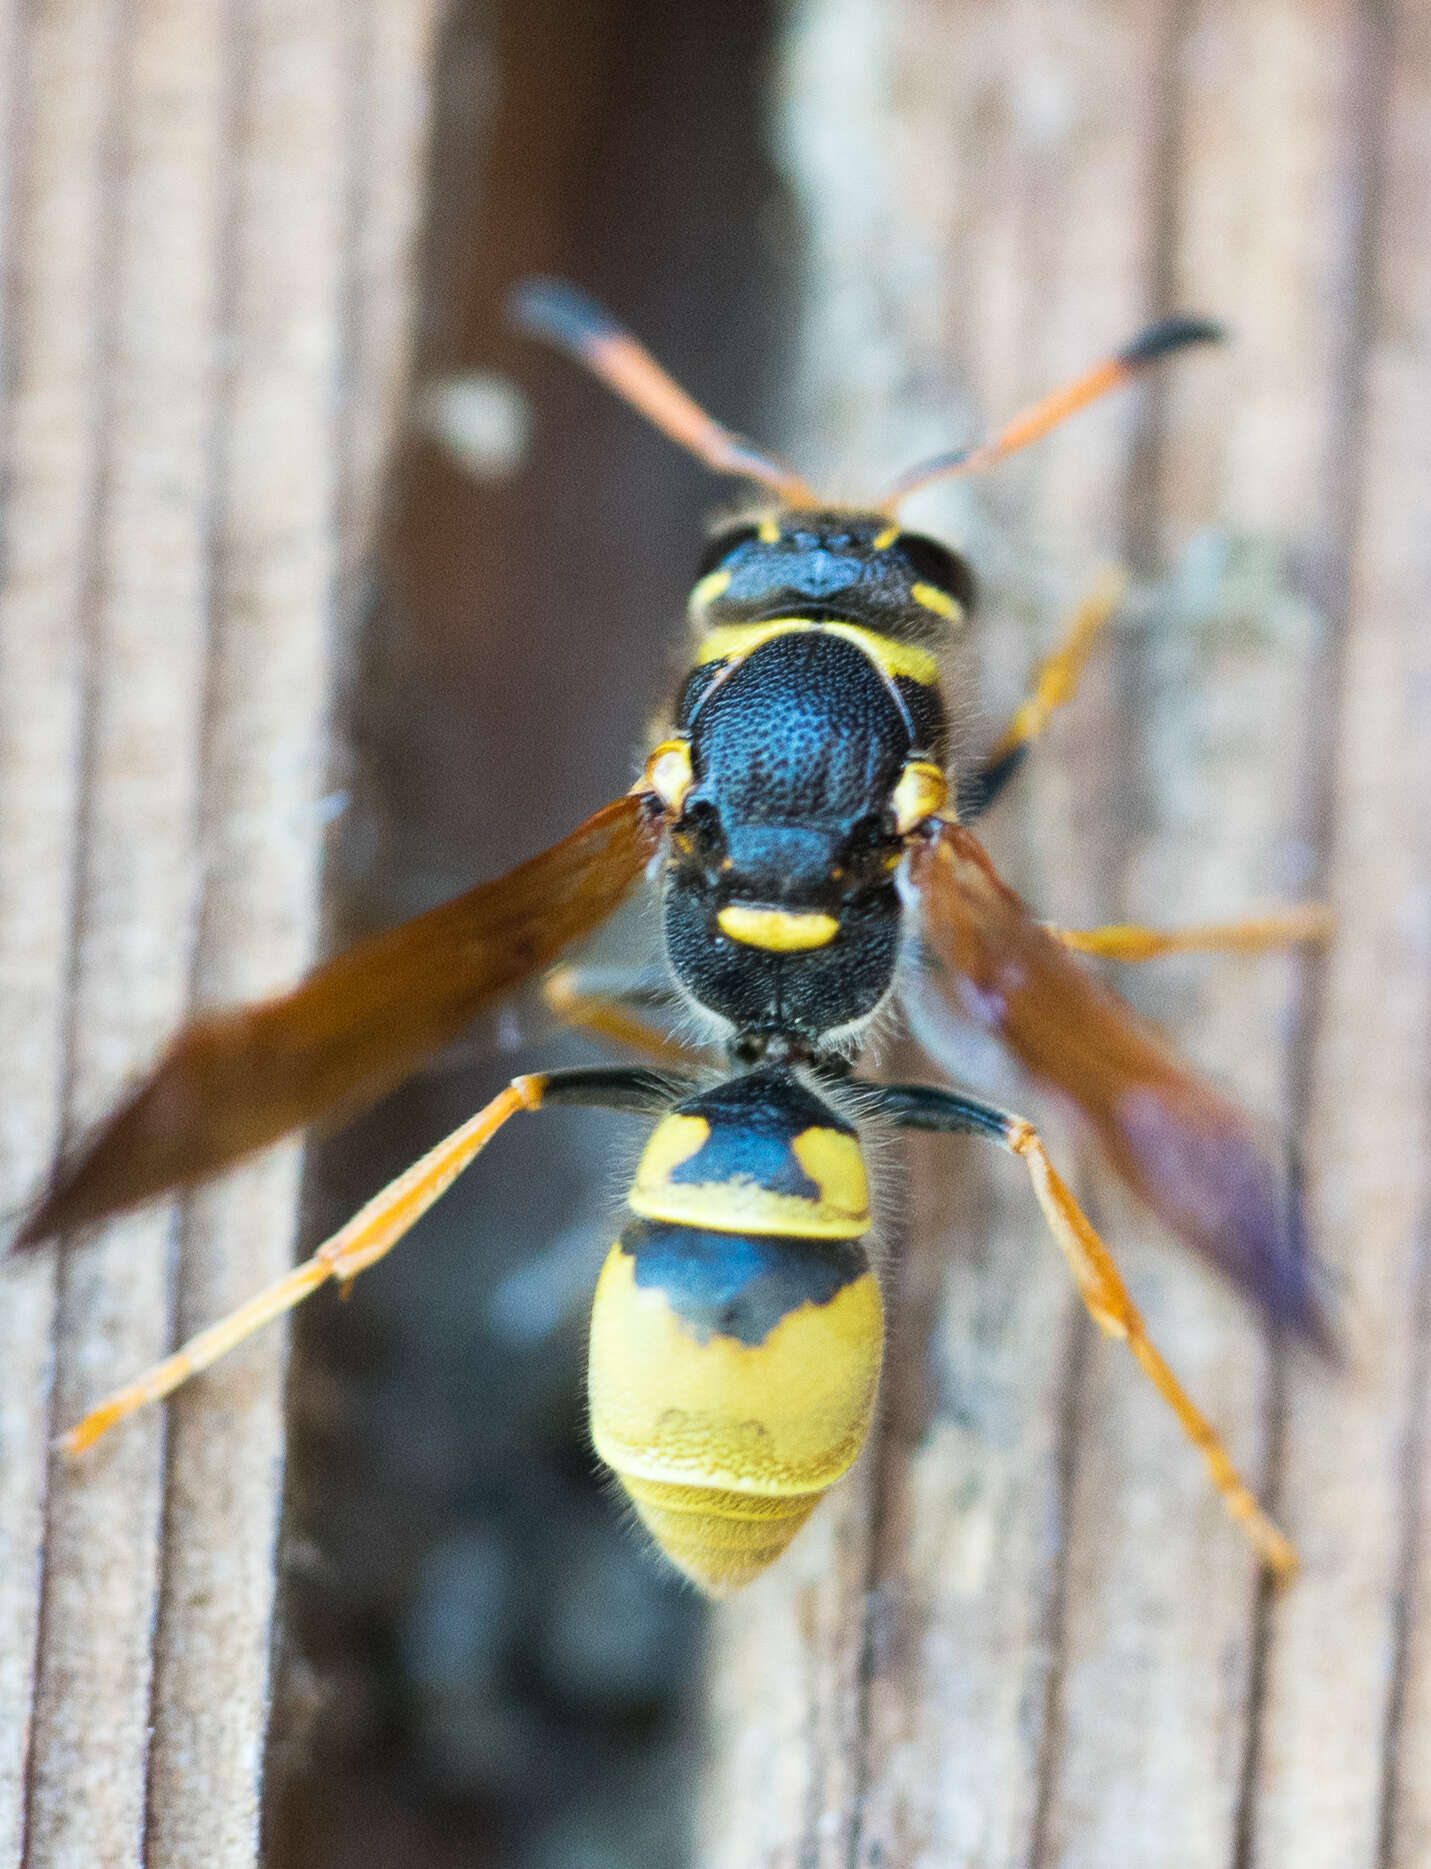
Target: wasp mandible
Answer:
pixel 800 815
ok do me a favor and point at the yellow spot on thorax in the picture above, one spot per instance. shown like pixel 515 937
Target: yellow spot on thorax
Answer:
pixel 674 1140
pixel 711 586
pixel 668 772
pixel 778 931
pixel 940 602
pixel 832 1160
pixel 920 794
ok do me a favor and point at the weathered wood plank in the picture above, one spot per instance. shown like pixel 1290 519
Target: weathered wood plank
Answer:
pixel 273 568
pixel 1397 566
pixel 65 67
pixel 1159 1686
pixel 209 294
pixel 1340 1780
pixel 1060 1652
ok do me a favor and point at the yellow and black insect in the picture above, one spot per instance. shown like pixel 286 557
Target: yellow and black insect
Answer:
pixel 802 818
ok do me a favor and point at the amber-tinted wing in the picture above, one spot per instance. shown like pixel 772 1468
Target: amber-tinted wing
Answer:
pixel 235 1081
pixel 1189 1153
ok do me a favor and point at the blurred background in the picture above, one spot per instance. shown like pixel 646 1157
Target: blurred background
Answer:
pixel 325 596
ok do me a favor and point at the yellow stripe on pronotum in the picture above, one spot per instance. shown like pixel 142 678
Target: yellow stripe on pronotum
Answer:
pixel 731 641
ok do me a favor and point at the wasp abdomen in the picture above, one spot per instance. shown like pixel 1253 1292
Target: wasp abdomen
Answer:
pixel 732 1381
pixel 737 1332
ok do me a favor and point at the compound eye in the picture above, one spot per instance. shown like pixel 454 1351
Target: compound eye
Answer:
pixel 933 563
pixel 721 545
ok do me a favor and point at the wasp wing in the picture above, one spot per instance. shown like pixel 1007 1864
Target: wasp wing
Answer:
pixel 1191 1155
pixel 232 1082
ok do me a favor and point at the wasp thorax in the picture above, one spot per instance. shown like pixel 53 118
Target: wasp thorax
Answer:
pixel 737 1332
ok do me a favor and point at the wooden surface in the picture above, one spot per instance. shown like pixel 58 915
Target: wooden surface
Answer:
pixel 207 213
pixel 1023 1633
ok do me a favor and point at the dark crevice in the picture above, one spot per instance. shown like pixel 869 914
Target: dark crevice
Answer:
pixel 516 634
pixel 1072 1388
pixel 358 57
pixel 1410 1555
pixel 889 1458
pixel 1369 62
pixel 1142 493
pixel 1264 1593
pixel 1129 778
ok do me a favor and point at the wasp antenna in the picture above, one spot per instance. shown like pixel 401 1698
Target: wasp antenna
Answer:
pixel 1032 424
pixel 1168 335
pixel 576 324
pixel 560 313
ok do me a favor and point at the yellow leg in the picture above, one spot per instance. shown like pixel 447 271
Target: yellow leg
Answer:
pixel 1056 681
pixel 1103 1292
pixel 1127 941
pixel 605 1016
pixel 373 1231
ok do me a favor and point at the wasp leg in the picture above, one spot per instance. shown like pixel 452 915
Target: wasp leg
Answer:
pixel 1099 1285
pixel 373 1231
pixel 1130 942
pixel 1054 685
pixel 610 1005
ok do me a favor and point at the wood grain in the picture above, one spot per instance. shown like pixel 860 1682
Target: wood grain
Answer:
pixel 208 225
pixel 1056 1653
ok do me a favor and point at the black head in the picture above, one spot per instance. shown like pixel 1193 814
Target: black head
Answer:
pixel 830 563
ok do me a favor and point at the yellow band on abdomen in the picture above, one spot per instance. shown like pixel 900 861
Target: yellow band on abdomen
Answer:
pixel 784 1416
pixel 721 1541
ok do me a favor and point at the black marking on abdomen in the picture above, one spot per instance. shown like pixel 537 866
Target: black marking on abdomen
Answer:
pixel 738 1285
pixel 754 1119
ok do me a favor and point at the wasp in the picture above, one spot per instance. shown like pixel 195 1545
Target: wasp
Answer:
pixel 802 821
